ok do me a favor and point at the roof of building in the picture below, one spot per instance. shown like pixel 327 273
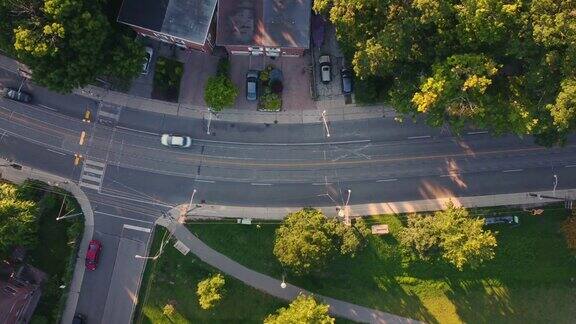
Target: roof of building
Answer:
pixel 186 19
pixel 280 23
pixel 19 292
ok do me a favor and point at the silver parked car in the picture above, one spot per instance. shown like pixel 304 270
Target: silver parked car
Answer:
pixel 146 64
pixel 175 140
pixel 252 85
pixel 325 68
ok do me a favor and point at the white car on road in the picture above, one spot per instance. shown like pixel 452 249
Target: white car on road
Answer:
pixel 175 140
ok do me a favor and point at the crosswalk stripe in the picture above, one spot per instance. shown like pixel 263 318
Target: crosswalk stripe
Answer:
pixel 93 170
pixel 137 228
pixel 89 177
pixel 89 185
pixel 95 163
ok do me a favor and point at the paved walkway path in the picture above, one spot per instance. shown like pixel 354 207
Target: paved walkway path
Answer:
pixel 397 207
pixel 19 176
pixel 335 111
pixel 268 284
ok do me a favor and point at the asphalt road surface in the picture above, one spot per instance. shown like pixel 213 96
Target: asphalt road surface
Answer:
pixel 131 179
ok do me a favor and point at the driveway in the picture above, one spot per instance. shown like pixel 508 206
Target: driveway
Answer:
pixel 297 80
pixel 198 67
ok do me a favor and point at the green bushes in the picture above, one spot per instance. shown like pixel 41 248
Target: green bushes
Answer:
pixel 167 77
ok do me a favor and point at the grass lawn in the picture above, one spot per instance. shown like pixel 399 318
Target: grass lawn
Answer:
pixel 56 249
pixel 529 281
pixel 167 76
pixel 174 278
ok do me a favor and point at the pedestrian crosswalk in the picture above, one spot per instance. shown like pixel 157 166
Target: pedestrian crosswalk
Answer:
pixel 92 174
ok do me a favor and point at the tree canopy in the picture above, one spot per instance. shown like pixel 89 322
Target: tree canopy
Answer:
pixel 303 310
pixel 210 291
pixel 220 92
pixel 18 225
pixel 67 43
pixel 307 240
pixel 505 65
pixel 451 234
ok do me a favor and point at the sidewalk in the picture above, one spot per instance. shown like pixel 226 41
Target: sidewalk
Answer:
pixel 398 207
pixel 334 111
pixel 19 176
pixel 270 285
pixel 309 116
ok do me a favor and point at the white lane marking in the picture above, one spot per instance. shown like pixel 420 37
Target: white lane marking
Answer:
pixel 512 170
pixel 54 151
pixel 137 228
pixel 321 183
pixel 570 166
pixel 477 133
pixel 49 108
pixel 207 181
pixel 449 175
pixel 419 137
pixel 282 144
pixel 135 200
pixel 137 130
pixel 387 180
pixel 122 217
pixel 260 184
pixel 91 178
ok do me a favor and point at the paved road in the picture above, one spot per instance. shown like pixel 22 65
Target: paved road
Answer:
pixel 130 178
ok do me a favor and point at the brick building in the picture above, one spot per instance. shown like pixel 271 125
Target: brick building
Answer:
pixel 243 27
pixel 185 23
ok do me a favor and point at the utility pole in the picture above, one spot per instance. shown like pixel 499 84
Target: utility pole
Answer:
pixel 555 185
pixel 191 200
pixel 323 116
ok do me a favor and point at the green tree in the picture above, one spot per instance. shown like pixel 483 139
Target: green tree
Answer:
pixel 554 22
pixel 18 224
pixel 307 240
pixel 210 291
pixel 494 64
pixel 68 43
pixel 220 92
pixel 451 234
pixel 564 109
pixel 168 310
pixel 302 310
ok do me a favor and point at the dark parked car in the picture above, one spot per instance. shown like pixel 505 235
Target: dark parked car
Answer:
pixel 252 85
pixel 79 319
pixel 93 254
pixel 347 84
pixel 14 94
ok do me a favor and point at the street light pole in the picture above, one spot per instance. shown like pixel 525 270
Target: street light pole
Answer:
pixel 191 200
pixel 325 123
pixel 159 251
pixel 209 121
pixel 555 185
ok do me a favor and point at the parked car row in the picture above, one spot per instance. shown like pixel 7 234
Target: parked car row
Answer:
pixel 346 75
pixel 15 94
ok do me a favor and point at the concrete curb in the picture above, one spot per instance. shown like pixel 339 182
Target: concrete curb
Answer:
pixel 398 207
pixel 19 176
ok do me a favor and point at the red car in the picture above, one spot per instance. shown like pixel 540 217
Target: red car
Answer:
pixel 93 254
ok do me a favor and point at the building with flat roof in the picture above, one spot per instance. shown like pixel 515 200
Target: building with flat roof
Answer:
pixel 20 291
pixel 264 27
pixel 249 27
pixel 186 23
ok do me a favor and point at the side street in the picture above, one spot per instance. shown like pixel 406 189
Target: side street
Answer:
pixel 287 161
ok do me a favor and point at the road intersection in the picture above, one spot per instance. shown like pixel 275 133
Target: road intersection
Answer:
pixel 130 179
